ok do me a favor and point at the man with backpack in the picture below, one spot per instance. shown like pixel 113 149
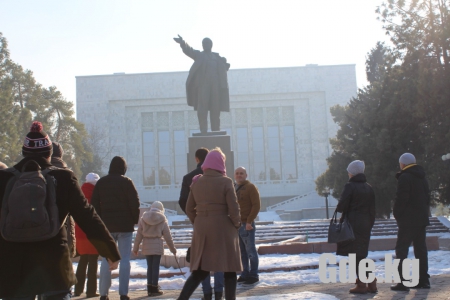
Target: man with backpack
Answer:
pixel 34 255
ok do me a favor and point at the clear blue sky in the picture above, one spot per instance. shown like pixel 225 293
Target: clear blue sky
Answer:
pixel 59 40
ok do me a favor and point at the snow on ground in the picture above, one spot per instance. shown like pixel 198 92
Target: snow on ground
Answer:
pixel 268 216
pixel 439 263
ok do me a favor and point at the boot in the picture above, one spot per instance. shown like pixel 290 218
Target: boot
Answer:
pixel 218 295
pixel 372 286
pixel 360 288
pixel 230 287
pixel 207 297
pixel 156 291
pixel 190 285
pixel 399 287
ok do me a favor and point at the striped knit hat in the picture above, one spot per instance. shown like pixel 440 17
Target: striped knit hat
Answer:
pixel 37 142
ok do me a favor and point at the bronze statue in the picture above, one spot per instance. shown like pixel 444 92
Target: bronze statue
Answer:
pixel 207 84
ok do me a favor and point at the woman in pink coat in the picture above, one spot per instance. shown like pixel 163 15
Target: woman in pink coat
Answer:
pixel 213 209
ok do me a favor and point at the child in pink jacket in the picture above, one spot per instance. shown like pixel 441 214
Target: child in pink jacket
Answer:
pixel 153 226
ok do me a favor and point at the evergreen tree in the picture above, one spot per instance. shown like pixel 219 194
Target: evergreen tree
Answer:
pixel 404 108
pixel 23 100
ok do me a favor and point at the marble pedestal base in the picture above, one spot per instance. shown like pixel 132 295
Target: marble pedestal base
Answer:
pixel 210 142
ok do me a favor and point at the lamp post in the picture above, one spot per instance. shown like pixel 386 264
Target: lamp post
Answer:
pixel 326 193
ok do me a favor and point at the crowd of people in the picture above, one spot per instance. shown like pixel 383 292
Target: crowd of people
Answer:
pixel 99 218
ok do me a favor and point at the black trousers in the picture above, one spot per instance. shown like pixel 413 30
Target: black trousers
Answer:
pixel 89 261
pixel 416 236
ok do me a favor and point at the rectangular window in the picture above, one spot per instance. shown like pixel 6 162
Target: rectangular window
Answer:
pixel 259 168
pixel 164 158
pixel 149 158
pixel 242 147
pixel 289 157
pixel 179 139
pixel 273 141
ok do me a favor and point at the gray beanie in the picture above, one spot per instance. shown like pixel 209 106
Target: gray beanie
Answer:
pixel 407 159
pixel 356 167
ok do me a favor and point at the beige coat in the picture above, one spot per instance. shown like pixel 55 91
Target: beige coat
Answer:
pixel 153 226
pixel 213 209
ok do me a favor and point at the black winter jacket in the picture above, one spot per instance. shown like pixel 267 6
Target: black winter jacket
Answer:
pixel 412 201
pixel 28 269
pixel 358 202
pixel 186 186
pixel 115 198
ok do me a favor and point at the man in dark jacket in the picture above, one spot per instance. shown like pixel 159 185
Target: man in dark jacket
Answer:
pixel 411 208
pixel 117 202
pixel 200 155
pixel 31 268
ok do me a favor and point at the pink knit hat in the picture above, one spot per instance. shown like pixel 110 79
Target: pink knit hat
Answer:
pixel 215 160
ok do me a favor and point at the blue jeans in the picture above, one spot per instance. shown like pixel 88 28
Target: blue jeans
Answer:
pixel 218 283
pixel 124 243
pixel 248 252
pixel 153 262
pixel 55 295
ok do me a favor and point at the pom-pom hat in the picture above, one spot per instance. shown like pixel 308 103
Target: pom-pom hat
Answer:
pixel 37 142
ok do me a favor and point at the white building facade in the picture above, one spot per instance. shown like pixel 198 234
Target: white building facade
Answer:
pixel 279 124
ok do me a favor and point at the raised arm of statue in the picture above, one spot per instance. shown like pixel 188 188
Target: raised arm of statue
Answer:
pixel 188 50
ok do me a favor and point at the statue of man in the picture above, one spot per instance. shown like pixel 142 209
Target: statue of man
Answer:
pixel 207 84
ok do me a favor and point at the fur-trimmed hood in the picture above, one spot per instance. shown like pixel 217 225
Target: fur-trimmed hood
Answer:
pixel 153 217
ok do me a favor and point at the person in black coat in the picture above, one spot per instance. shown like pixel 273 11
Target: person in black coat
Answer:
pixel 43 268
pixel 200 156
pixel 117 202
pixel 411 210
pixel 357 201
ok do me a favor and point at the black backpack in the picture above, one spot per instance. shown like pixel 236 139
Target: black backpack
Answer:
pixel 29 212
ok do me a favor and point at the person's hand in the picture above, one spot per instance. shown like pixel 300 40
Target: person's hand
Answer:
pixel 174 252
pixel 135 253
pixel 179 40
pixel 248 226
pixel 113 265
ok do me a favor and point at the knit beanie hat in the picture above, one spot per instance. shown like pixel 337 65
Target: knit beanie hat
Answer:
pixel 92 178
pixel 407 159
pixel 37 142
pixel 356 167
pixel 57 150
pixel 158 205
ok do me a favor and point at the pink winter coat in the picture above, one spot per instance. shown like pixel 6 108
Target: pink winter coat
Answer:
pixel 153 226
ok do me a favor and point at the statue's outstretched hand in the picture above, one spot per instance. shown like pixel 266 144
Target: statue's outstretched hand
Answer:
pixel 179 40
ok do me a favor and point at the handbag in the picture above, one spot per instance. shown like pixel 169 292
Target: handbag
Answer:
pixel 340 231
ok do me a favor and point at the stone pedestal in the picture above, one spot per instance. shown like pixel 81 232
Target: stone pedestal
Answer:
pixel 210 142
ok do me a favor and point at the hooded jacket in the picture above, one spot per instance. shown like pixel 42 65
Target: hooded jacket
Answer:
pixel 115 198
pixel 412 200
pixel 152 227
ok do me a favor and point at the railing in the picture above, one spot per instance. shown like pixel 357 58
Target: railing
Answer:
pixel 167 212
pixel 170 212
pixel 275 206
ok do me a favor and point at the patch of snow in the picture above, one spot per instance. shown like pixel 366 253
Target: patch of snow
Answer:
pixel 268 216
pixel 439 263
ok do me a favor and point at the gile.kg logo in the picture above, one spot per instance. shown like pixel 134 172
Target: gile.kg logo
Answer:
pixel 327 274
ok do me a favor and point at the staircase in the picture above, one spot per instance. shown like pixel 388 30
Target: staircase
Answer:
pixel 270 232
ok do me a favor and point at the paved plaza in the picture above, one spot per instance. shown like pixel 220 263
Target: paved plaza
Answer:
pixel 439 290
